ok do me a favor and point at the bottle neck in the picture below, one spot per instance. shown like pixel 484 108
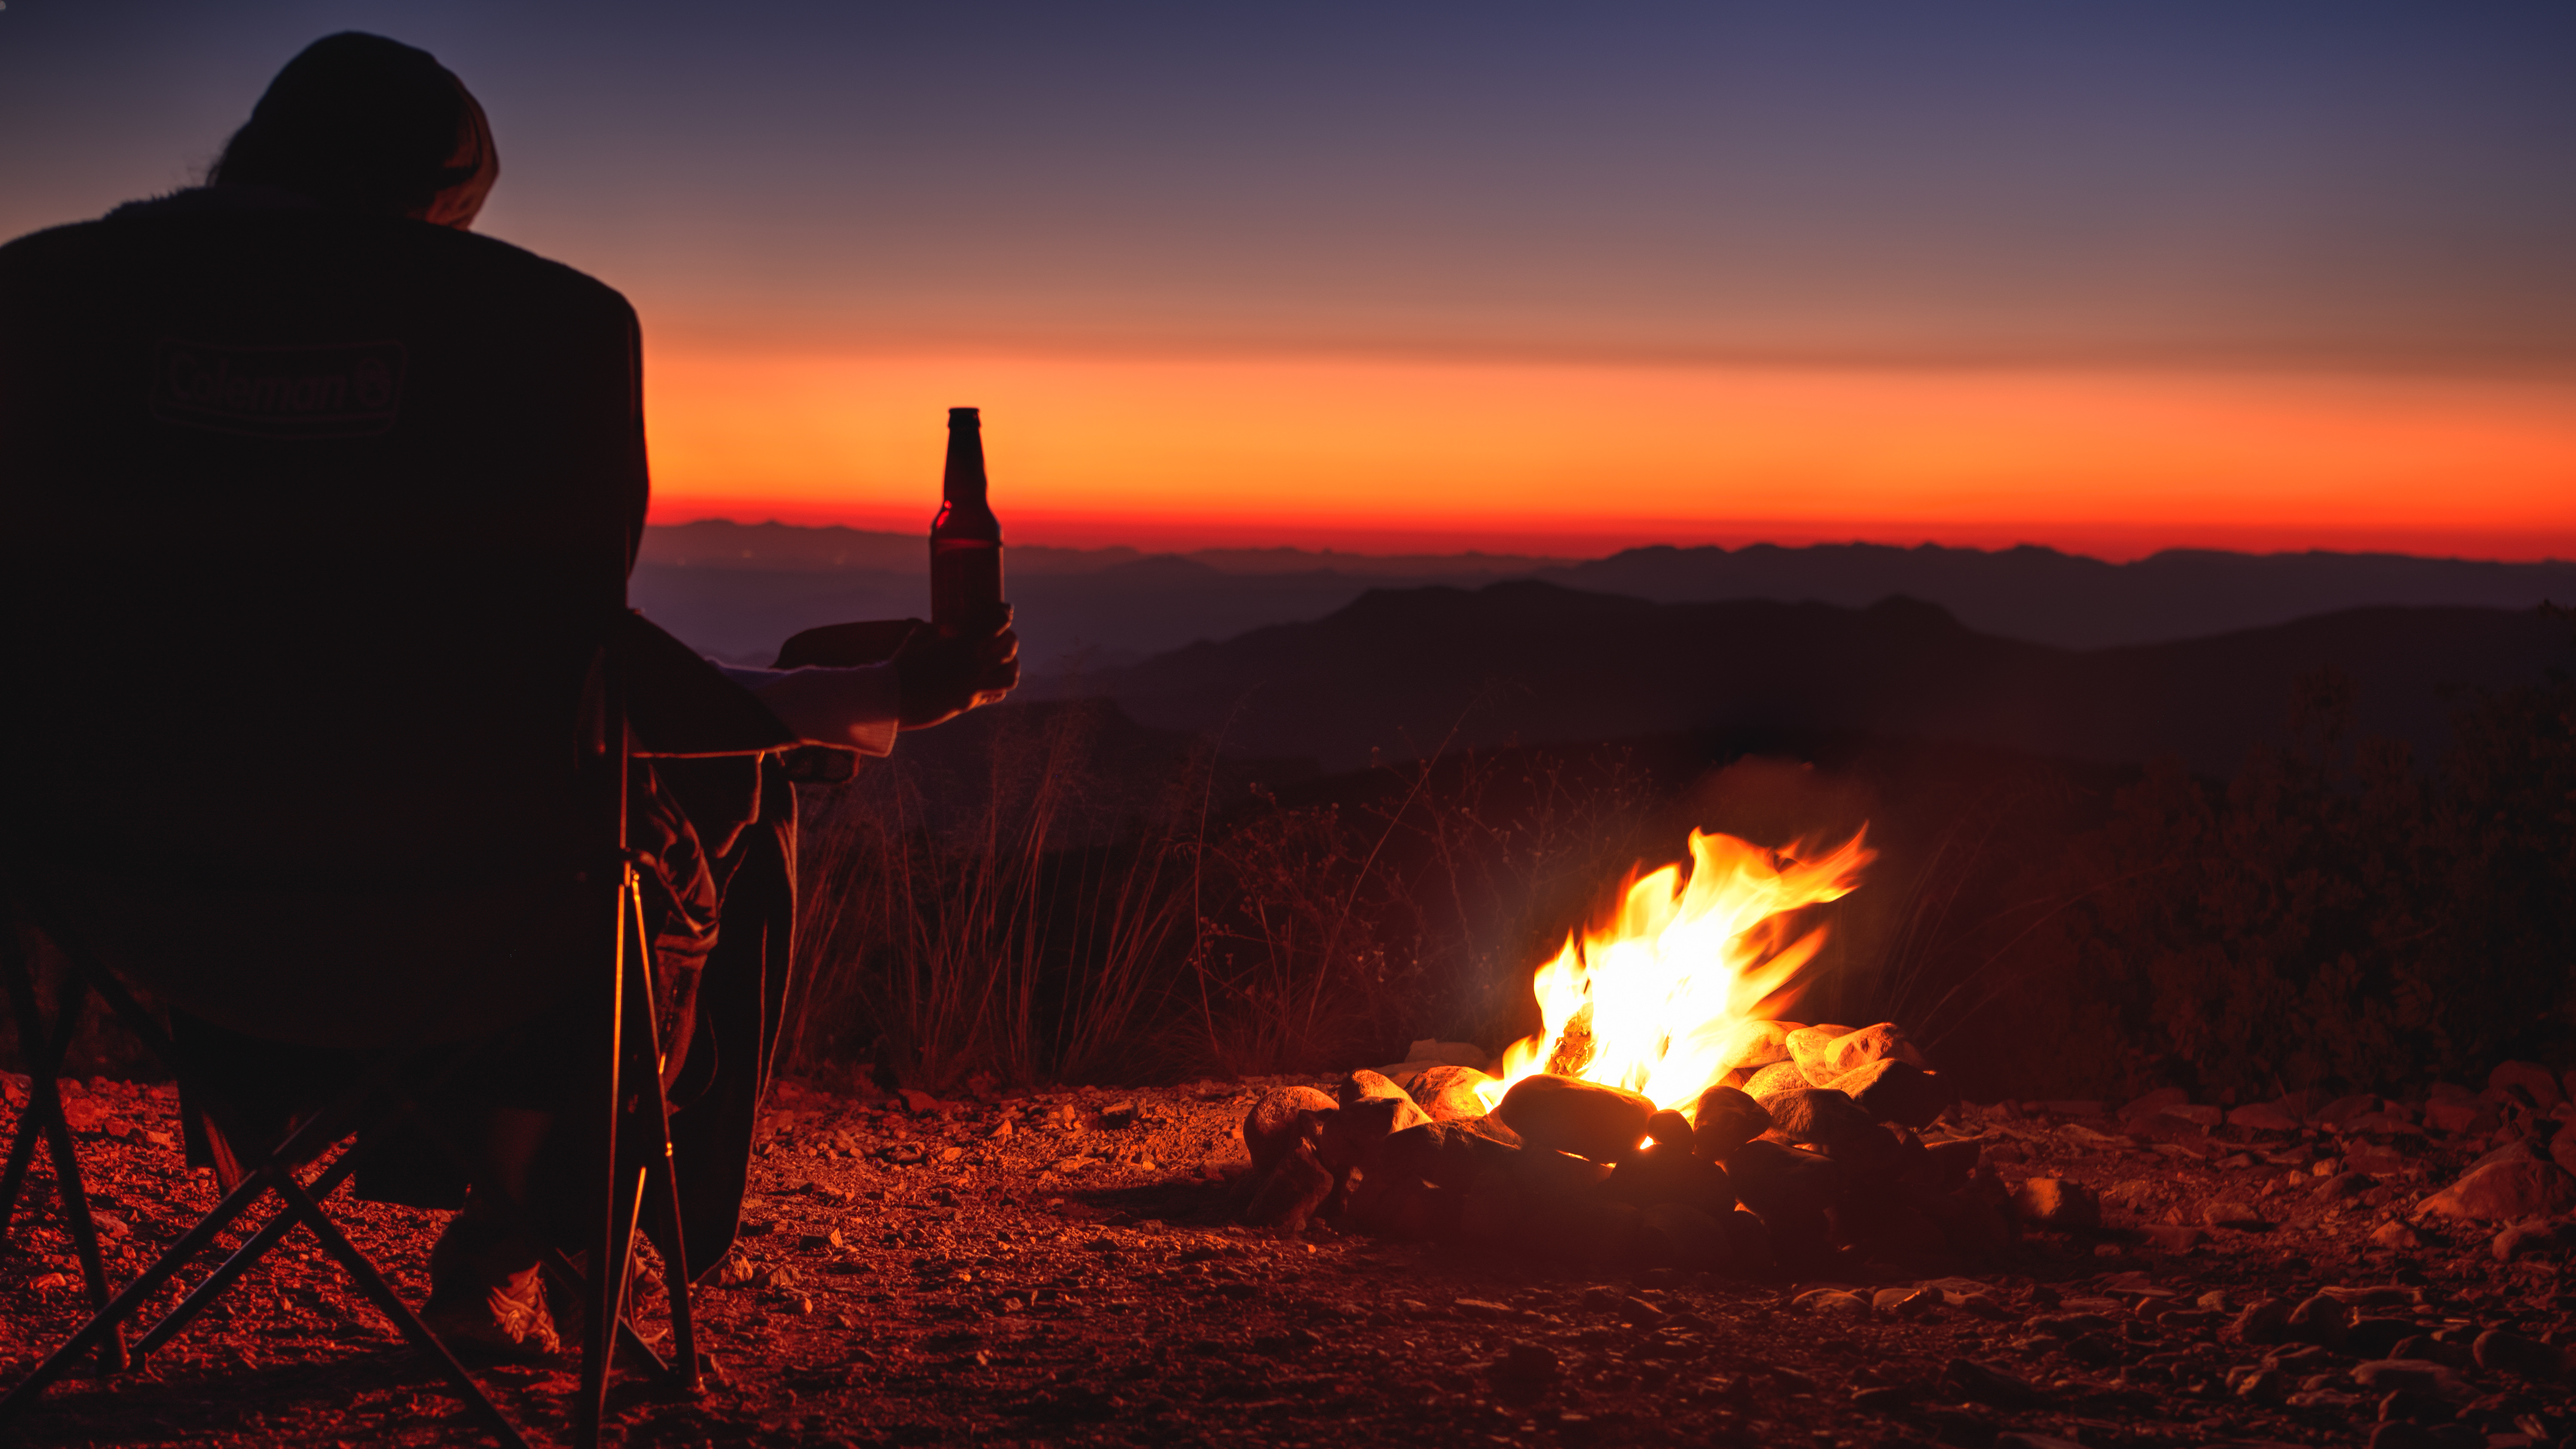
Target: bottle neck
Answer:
pixel 963 482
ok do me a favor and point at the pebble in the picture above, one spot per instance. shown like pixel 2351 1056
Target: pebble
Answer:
pixel 2382 1375
pixel 2514 1354
pixel 2230 1214
pixel 2504 1192
pixel 2057 1204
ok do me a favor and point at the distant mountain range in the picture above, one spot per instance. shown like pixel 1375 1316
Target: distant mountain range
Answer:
pixel 1398 672
pixel 737 590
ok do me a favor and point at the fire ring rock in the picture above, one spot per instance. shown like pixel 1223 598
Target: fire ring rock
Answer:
pixel 1807 1046
pixel 1663 1173
pixel 1448 1093
pixel 1854 1050
pixel 1779 1182
pixel 1755 1044
pixel 1819 1115
pixel 1275 1125
pixel 1563 1114
pixel 1677 1235
pixel 1893 1089
pixel 1725 1120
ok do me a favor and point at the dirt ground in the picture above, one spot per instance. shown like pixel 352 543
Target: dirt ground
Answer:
pixel 1060 1267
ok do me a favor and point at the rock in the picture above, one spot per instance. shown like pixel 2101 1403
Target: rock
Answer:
pixel 1831 1301
pixel 1807 1051
pixel 2503 1192
pixel 1984 1384
pixel 2333 1115
pixel 2263 1117
pixel 2344 1185
pixel 1748 1241
pixel 2374 1337
pixel 1774 1079
pixel 2562 1151
pixel 1349 1136
pixel 1677 1235
pixel 1892 1089
pixel 1448 1093
pixel 2396 1236
pixel 2388 1374
pixel 2461 1115
pixel 2154 1102
pixel 1669 1128
pixel 2534 1081
pixel 1854 1050
pixel 1561 1114
pixel 1118 1116
pixel 1754 1044
pixel 2514 1354
pixel 1818 1115
pixel 2057 1204
pixel 1663 1173
pixel 2238 1215
pixel 2320 1320
pixel 1779 1183
pixel 1725 1119
pixel 1526 1363
pixel 1904 1302
pixel 1360 1086
pixel 1495 1214
pixel 1550 1173
pixel 2172 1237
pixel 2534 1235
pixel 2263 1321
pixel 1276 1124
pixel 1443 1154
pixel 2398 1434
pixel 1429 1053
pixel 1294 1189
pixel 2033 1441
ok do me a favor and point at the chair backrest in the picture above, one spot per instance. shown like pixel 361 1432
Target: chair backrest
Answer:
pixel 311 528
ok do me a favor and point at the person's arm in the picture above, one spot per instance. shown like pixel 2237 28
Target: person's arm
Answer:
pixel 858 708
pixel 934 677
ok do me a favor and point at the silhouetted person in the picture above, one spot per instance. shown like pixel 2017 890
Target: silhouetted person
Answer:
pixel 312 505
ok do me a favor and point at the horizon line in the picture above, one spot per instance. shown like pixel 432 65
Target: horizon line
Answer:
pixel 1101 534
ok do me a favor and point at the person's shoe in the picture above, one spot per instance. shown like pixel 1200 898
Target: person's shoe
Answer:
pixel 487 1296
pixel 643 1289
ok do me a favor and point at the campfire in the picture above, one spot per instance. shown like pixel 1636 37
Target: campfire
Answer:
pixel 1667 1113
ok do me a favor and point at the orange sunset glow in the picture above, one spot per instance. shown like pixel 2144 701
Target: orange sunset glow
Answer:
pixel 1577 457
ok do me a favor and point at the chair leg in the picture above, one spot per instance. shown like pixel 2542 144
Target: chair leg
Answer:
pixel 45 1113
pixel 107 1320
pixel 240 1262
pixel 608 1260
pixel 675 1258
pixel 388 1302
pixel 44 1060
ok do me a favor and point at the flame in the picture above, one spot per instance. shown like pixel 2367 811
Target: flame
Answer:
pixel 1646 1001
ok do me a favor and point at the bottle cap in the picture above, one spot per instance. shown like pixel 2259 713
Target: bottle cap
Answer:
pixel 964 415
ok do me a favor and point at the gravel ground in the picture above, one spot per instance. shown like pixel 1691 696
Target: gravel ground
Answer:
pixel 1061 1267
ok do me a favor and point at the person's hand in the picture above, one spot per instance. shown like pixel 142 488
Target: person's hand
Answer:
pixel 945 674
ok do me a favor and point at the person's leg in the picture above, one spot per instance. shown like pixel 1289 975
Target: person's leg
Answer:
pixel 487 1293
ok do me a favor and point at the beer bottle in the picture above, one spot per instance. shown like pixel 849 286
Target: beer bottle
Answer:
pixel 965 540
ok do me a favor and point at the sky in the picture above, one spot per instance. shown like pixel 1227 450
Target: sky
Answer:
pixel 2106 276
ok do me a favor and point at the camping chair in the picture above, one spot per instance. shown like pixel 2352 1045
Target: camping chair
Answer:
pixel 631 1113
